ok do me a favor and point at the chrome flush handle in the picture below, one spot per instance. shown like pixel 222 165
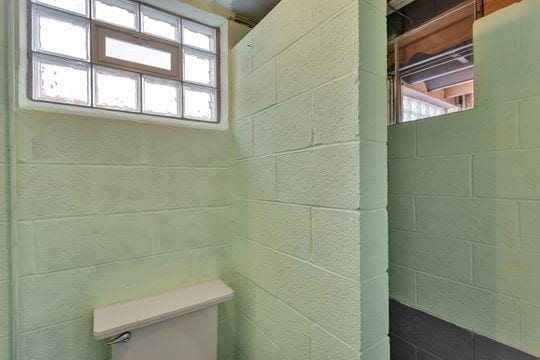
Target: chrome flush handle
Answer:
pixel 120 339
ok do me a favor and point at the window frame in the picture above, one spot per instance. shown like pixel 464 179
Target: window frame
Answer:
pixel 395 89
pixel 99 33
pixel 215 21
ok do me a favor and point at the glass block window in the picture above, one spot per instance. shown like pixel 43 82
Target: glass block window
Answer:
pixel 124 56
pixel 415 109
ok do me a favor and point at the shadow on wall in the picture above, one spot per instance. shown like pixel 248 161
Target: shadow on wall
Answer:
pixel 465 194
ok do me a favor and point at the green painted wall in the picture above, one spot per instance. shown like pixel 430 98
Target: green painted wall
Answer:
pixel 112 210
pixel 109 210
pixel 464 203
pixel 5 330
pixel 310 242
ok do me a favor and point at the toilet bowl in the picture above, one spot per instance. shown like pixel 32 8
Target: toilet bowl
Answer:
pixel 178 325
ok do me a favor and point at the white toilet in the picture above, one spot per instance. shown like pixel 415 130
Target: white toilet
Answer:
pixel 179 325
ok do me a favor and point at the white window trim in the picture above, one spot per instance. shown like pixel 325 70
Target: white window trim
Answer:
pixel 175 7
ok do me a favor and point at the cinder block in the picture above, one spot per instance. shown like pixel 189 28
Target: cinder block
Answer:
pixel 49 191
pixel 47 137
pixel 255 92
pixel 66 341
pixel 253 344
pixel 401 212
pixel 373 108
pixel 335 111
pixel 430 176
pixel 529 125
pixel 324 9
pixel 378 351
pixel 287 328
pixel 282 227
pixel 5 348
pixel 188 147
pixel 213 262
pixel 5 312
pixel 508 174
pixel 375 316
pixel 192 228
pixel 325 346
pixel 499 50
pixel 241 59
pixel 373 243
pixel 256 263
pixel 336 242
pixel 530 328
pixel 402 141
pixel 226 339
pixel 256 178
pixel 373 175
pixel 3 79
pixel 78 242
pixel 286 126
pixel 55 297
pixel 481 129
pixel 280 28
pixel 326 176
pixel 124 189
pixel 530 226
pixel 508 272
pixel 439 256
pixel 372 47
pixel 4 256
pixel 332 301
pixel 492 222
pixel 4 26
pixel 26 246
pixel 470 307
pixel 3 135
pixel 243 138
pixel 137 278
pixel 318 57
pixel 402 284
pixel 4 180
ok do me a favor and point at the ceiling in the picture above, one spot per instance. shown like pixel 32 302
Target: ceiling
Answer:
pixel 252 9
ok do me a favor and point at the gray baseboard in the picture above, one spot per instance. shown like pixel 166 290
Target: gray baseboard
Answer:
pixel 416 335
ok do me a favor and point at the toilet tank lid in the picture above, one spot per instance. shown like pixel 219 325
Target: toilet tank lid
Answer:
pixel 115 319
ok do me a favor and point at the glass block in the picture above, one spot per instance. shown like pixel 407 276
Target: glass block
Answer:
pixel 139 54
pixel 200 103
pixel 117 12
pixel 59 33
pixel 116 89
pixel 75 6
pixel 158 23
pixel 61 81
pixel 162 97
pixel 199 67
pixel 199 36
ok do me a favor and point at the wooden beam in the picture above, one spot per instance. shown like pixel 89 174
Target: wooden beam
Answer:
pixel 444 34
pixel 448 32
pixel 490 6
pixel 459 90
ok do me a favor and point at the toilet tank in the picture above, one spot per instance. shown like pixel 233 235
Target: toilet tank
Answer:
pixel 179 325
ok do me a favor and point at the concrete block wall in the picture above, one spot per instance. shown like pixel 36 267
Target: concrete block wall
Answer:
pixel 5 325
pixel 464 194
pixel 310 234
pixel 111 211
